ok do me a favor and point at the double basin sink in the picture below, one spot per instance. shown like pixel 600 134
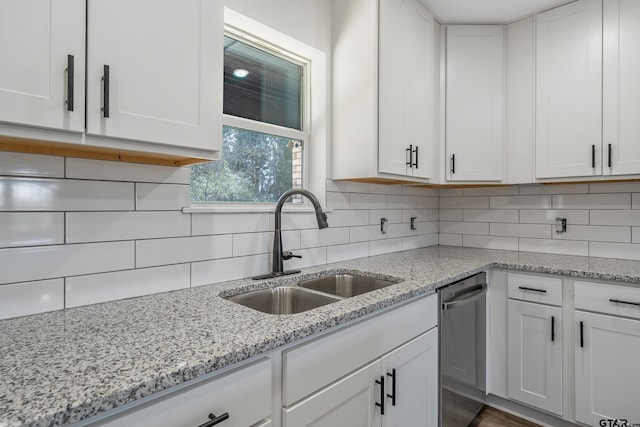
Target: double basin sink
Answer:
pixel 312 293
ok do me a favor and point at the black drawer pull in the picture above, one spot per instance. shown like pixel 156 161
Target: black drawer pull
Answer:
pixel 453 164
pixel 553 329
pixel 382 395
pixel 416 163
pixel 593 156
pixel 215 420
pixel 410 151
pixel 619 301
pixel 524 288
pixel 609 161
pixel 70 73
pixel 393 387
pixel 105 92
pixel 581 334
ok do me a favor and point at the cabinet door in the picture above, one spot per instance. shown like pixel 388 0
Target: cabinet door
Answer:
pixel 405 113
pixel 412 383
pixel 475 103
pixel 165 71
pixel 349 402
pixel 607 374
pixel 535 355
pixel 36 39
pixel 621 91
pixel 569 90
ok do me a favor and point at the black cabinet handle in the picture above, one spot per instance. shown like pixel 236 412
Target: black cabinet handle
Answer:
pixel 581 334
pixel 609 151
pixel 70 80
pixel 593 156
pixel 382 395
pixel 453 163
pixel 416 163
pixel 553 329
pixel 105 92
pixel 215 420
pixel 410 151
pixel 393 387
pixel 525 288
pixel 619 301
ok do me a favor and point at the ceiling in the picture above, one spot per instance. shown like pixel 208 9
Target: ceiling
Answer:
pixel 486 11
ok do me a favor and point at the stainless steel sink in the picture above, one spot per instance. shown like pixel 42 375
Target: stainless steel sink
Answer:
pixel 283 300
pixel 346 285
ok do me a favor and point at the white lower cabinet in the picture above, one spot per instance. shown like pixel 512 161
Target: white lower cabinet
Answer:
pixel 244 394
pixel 535 355
pixel 606 353
pixel 399 389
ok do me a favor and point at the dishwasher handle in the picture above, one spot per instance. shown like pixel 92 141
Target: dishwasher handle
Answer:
pixel 465 297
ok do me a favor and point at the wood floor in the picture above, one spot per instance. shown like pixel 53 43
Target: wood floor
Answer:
pixel 491 417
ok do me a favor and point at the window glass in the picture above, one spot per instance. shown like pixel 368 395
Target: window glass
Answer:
pixel 255 167
pixel 261 86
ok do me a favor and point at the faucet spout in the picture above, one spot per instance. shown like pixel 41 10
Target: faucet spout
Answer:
pixel 321 218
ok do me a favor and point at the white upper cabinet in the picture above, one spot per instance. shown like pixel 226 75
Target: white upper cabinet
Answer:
pixel 405 111
pixel 164 80
pixel 569 90
pixel 474 103
pixel 42 48
pixel 621 88
pixel 382 89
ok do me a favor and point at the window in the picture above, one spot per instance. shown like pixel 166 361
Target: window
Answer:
pixel 266 124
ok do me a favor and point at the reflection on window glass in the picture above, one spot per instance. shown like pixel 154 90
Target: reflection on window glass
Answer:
pixel 260 86
pixel 255 167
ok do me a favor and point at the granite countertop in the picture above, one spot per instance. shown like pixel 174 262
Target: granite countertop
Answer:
pixel 65 366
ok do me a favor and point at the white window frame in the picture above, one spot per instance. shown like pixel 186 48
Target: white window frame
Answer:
pixel 314 111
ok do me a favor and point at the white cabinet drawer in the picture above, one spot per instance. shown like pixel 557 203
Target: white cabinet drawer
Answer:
pixel 544 290
pixel 611 299
pixel 245 394
pixel 312 366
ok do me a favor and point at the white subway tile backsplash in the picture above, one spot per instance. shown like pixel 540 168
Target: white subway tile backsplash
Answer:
pixel 635 235
pixel 548 216
pixel 179 250
pixel 48 262
pixel 540 231
pixel 227 223
pixel 421 241
pixel 379 247
pixel 615 217
pixel 31 229
pixel 221 270
pixel 450 239
pixel 366 233
pixel 296 220
pixel 563 247
pixel 310 257
pixel 95 288
pixel 421 215
pixel 402 202
pixel 253 243
pixel 120 171
pixel 487 215
pixel 385 189
pixel 635 204
pixel 521 202
pixel 41 194
pixel 598 233
pixel 329 236
pixel 450 192
pixel 84 227
pixel 464 227
pixel 614 250
pixel 428 202
pixel 22 299
pixel 347 186
pixel 162 197
pixel 368 201
pixel 338 200
pixel 402 230
pixel 450 214
pixel 614 187
pixel 490 242
pixel 480 202
pixel 393 216
pixel 339 253
pixel 35 165
pixel 510 190
pixel 347 218
pixel 553 189
pixel 419 191
pixel 592 201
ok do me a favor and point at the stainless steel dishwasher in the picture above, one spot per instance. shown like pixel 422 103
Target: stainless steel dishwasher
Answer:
pixel 462 321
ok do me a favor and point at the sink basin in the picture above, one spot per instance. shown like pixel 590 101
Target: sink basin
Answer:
pixel 283 300
pixel 346 285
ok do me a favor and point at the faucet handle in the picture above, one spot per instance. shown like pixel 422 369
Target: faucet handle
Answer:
pixel 289 255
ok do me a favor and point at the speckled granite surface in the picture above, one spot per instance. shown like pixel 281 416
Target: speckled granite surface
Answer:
pixel 61 367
